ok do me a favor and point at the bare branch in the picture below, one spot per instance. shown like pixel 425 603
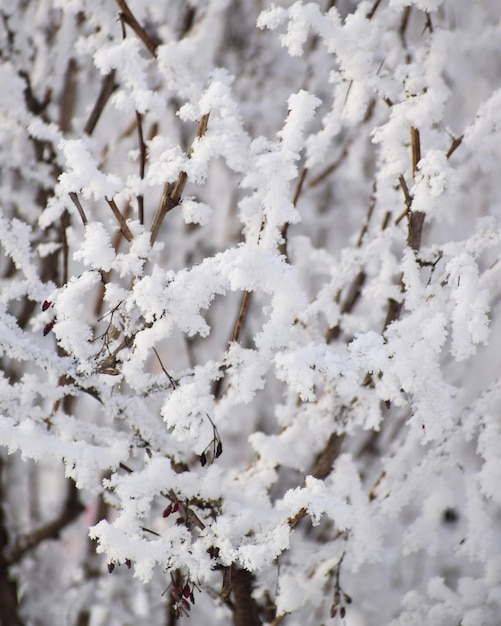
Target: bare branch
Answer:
pixel 72 509
pixel 454 146
pixel 407 197
pixel 127 16
pixel 415 149
pixel 76 202
pixel 120 219
pixel 108 86
pixel 142 164
pixel 171 197
pixel 370 15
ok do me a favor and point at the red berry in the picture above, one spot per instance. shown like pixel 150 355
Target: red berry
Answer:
pixel 186 591
pixel 48 328
pixel 167 511
pixel 46 305
pixel 175 508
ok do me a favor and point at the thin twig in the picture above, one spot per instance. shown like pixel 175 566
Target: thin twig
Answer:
pixel 407 197
pixel 171 197
pixel 108 86
pixel 415 149
pixel 126 232
pixel 68 96
pixel 454 146
pixel 76 202
pixel 331 168
pixel 142 163
pixel 241 316
pixel 127 16
pixel 63 225
pixel 403 25
pixel 171 380
pixel 428 25
pixel 370 15
pixel 297 192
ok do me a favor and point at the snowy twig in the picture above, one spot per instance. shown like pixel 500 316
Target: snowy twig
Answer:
pixel 171 197
pixel 127 16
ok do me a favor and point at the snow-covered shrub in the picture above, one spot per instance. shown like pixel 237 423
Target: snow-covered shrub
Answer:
pixel 250 312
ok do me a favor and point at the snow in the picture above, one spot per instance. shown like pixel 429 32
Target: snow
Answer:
pixel 242 393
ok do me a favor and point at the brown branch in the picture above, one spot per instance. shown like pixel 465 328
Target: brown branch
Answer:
pixel 403 25
pixel 325 460
pixel 77 203
pixel 127 16
pixel 63 225
pixel 352 297
pixel 108 86
pixel 428 24
pixel 415 149
pixel 282 248
pixel 241 316
pixel 370 210
pixel 71 510
pixel 331 168
pixel 321 469
pixel 68 96
pixel 393 312
pixel 416 223
pixel 454 146
pixel 142 164
pixel 9 606
pixel 245 612
pixel 370 15
pixel 171 197
pixel 171 380
pixel 407 197
pixel 120 219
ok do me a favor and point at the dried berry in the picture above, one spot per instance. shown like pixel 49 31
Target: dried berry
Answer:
pixel 186 591
pixel 128 562
pixel 203 459
pixel 219 449
pixel 111 567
